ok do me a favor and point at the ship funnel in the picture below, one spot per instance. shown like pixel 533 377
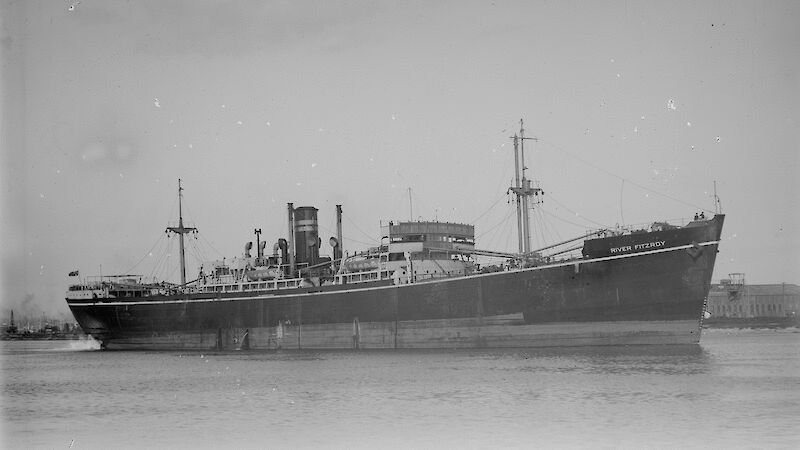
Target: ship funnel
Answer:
pixel 247 248
pixel 306 231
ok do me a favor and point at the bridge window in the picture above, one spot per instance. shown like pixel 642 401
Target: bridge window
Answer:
pixel 463 240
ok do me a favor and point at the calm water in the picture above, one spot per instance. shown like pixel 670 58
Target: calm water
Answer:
pixel 739 388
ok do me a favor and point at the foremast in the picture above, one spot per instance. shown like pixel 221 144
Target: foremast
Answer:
pixel 523 190
pixel 180 230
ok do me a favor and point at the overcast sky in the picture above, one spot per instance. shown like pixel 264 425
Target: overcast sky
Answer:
pixel 638 108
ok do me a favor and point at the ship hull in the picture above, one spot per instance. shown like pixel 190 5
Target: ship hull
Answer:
pixel 654 296
pixel 495 332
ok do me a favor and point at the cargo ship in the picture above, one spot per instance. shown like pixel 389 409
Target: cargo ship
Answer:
pixel 422 287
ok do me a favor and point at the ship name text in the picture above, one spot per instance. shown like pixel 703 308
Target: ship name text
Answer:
pixel 642 246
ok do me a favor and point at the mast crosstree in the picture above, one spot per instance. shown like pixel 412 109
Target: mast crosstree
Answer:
pixel 523 190
pixel 180 230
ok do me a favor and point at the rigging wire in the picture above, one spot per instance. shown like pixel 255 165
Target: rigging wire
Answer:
pixel 190 220
pixel 159 255
pixel 173 210
pixel 325 229
pixel 506 244
pixel 510 212
pixel 165 262
pixel 164 266
pixel 161 236
pixel 494 236
pixel 561 149
pixel 346 237
pixel 503 195
pixel 539 223
pixel 501 225
pixel 372 244
pixel 170 274
pixel 159 241
pixel 582 226
pixel 328 231
pixel 359 229
pixel 197 252
pixel 161 262
pixel 555 228
pixel 576 214
pixel 207 242
pixel 544 232
pixel 505 168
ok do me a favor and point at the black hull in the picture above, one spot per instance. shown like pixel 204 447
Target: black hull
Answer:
pixel 653 296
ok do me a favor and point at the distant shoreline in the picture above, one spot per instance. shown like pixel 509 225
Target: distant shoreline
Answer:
pixel 753 323
pixel 66 337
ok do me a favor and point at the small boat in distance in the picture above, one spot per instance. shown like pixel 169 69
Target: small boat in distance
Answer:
pixel 421 288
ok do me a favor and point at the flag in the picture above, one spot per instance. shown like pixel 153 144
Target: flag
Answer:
pixel 74 273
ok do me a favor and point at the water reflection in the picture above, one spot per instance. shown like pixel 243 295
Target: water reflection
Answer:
pixel 617 396
pixel 643 359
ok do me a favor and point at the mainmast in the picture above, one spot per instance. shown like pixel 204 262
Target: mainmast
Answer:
pixel 515 188
pixel 523 190
pixel 181 230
